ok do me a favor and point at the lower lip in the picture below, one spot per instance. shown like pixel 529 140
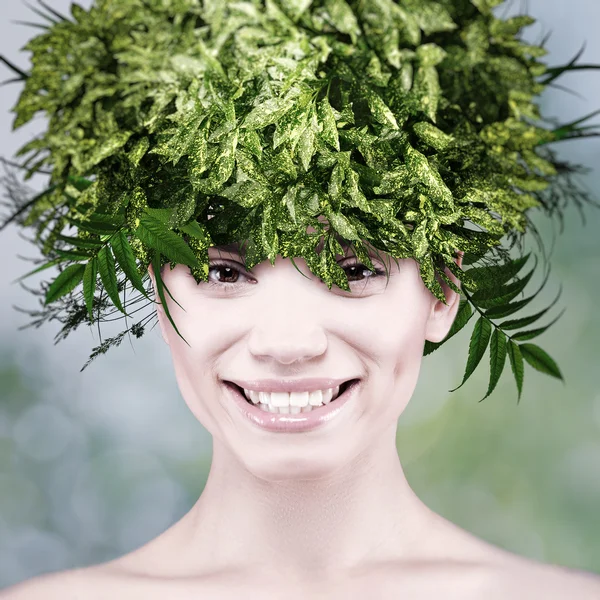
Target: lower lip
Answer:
pixel 292 423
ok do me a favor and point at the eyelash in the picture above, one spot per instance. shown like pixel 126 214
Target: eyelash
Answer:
pixel 216 264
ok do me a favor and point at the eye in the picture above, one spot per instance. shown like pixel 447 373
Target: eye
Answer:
pixel 230 274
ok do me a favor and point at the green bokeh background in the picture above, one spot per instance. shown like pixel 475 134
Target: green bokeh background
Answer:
pixel 94 464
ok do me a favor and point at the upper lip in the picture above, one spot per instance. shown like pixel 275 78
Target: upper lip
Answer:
pixel 290 385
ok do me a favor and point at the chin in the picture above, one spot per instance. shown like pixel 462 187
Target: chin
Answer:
pixel 294 463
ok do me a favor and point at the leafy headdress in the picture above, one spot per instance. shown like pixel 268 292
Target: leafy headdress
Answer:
pixel 175 125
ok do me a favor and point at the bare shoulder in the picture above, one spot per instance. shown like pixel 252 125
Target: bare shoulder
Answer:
pixel 529 579
pixel 63 585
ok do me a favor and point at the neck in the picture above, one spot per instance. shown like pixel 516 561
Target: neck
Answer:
pixel 364 514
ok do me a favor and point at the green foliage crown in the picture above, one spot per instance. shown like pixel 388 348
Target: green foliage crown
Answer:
pixel 176 125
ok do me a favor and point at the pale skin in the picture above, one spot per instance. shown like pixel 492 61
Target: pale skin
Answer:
pixel 328 514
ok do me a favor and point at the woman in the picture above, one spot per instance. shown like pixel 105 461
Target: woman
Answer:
pixel 302 500
pixel 292 510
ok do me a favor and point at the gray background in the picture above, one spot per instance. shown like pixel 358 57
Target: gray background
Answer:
pixel 94 464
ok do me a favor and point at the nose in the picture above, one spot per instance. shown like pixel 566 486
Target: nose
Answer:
pixel 289 329
pixel 290 348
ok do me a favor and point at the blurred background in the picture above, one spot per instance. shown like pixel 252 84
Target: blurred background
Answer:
pixel 95 464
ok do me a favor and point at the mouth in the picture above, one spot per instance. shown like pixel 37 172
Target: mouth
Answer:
pixel 342 389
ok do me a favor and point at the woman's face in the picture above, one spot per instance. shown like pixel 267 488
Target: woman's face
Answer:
pixel 273 323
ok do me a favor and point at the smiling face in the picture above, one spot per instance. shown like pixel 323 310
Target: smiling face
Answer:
pixel 274 323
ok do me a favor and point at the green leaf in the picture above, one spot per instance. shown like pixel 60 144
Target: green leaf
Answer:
pixel 82 255
pixel 108 275
pixel 477 347
pixel 532 333
pixel 539 359
pixel 564 130
pixel 64 283
pixel 489 299
pixel 523 322
pixel 194 229
pixel 306 143
pixel 492 277
pixel 556 72
pixel 23 76
pixel 342 225
pixel 501 311
pixel 267 112
pixel 103 150
pixel 155 234
pixel 380 110
pixel 80 243
pixel 295 8
pixel 58 15
pixel 47 265
pixel 505 310
pixel 160 285
pixel 463 316
pixel 326 118
pixel 432 136
pixel 89 285
pixel 342 18
pixel 516 364
pixel 98 223
pixel 292 124
pixel 80 183
pixel 126 259
pixel 222 168
pixel 497 359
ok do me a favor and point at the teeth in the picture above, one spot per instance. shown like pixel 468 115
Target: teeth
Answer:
pixel 294 402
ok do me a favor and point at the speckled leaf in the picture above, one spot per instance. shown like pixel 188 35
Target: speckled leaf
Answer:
pixel 486 6
pixel 380 110
pixel 431 16
pixel 289 200
pixel 221 170
pixel 336 181
pixel 343 226
pixel 433 136
pixel 327 121
pixel 342 17
pixel 427 175
pixel 138 150
pixel 268 112
pixel 306 144
pixel 105 149
pixel 295 8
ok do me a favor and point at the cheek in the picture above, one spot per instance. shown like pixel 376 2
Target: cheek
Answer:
pixel 400 334
pixel 397 351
